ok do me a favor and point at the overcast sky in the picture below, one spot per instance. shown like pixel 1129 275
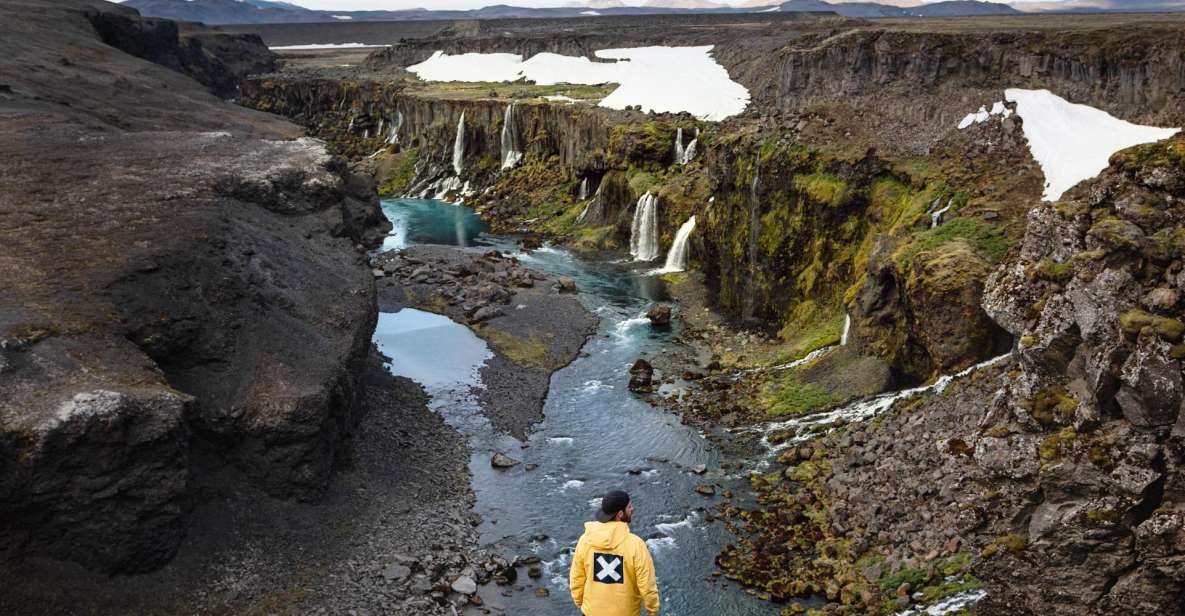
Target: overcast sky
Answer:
pixel 347 5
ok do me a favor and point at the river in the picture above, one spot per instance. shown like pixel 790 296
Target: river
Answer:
pixel 596 435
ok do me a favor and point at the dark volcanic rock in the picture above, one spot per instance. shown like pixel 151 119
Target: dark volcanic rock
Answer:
pixel 641 376
pixel 660 316
pixel 176 270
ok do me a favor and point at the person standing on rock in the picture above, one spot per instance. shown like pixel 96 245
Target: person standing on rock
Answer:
pixel 612 571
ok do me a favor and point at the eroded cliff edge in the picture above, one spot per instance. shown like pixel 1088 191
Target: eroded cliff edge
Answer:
pixel 185 288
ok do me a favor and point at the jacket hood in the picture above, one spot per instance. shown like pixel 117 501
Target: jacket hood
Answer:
pixel 606 535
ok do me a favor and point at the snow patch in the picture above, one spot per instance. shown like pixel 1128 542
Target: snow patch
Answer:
pixel 1074 142
pixel 1071 142
pixel 658 79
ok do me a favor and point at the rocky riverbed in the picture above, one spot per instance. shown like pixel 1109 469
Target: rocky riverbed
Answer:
pixel 532 321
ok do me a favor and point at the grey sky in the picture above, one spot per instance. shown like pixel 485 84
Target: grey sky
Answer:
pixel 347 5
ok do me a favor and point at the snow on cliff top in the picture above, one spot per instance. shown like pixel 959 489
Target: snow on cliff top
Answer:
pixel 658 79
pixel 1070 142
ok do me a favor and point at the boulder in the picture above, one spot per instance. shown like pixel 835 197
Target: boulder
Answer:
pixel 501 460
pixel 660 315
pixel 566 285
pixel 641 376
pixel 464 585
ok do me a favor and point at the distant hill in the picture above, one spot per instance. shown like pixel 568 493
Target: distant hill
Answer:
pixel 275 11
pixel 962 8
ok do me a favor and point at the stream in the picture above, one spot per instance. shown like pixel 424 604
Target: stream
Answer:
pixel 596 435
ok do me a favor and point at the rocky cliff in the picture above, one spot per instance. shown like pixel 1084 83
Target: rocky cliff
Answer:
pixel 186 291
pixel 1052 480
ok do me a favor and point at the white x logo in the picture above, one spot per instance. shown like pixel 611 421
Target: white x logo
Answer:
pixel 609 568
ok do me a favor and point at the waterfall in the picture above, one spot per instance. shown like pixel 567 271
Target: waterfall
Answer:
pixel 689 153
pixel 583 189
pixel 847 329
pixel 644 231
pixel 396 126
pixel 459 147
pixel 679 152
pixel 936 217
pixel 583 214
pixel 382 122
pixel 677 256
pixel 749 305
pixel 510 153
pixel 350 128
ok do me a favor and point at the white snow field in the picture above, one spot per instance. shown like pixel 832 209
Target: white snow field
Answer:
pixel 658 79
pixel 1070 142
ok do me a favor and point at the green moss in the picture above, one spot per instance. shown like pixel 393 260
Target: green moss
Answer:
pixel 530 351
pixel 405 172
pixel 1104 517
pixel 1052 405
pixel 1135 321
pixel 1116 233
pixel 986 239
pixel 1013 542
pixel 1051 271
pixel 808 329
pixel 787 396
pixel 824 188
pixel 1057 445
pixel 1169 153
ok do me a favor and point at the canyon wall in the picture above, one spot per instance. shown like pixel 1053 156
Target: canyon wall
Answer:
pixel 186 294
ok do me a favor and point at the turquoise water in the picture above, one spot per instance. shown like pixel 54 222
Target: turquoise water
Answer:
pixel 596 436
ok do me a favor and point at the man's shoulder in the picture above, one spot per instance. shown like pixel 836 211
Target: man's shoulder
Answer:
pixel 636 541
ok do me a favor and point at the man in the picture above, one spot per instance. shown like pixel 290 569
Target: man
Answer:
pixel 612 572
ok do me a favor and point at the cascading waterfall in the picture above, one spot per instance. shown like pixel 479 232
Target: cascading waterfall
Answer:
pixel 811 426
pixel 677 255
pixel 680 153
pixel 689 151
pixel 510 152
pixel 459 147
pixel 583 189
pixel 644 231
pixel 847 329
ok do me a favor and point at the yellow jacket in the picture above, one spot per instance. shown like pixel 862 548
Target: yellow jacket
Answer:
pixel 612 572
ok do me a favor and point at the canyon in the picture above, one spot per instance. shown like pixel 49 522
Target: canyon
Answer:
pixel 195 284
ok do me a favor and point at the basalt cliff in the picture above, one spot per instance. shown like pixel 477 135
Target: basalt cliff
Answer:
pixel 846 203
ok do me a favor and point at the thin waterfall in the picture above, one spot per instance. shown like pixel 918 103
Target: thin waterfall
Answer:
pixel 583 189
pixel 644 231
pixel 510 152
pixel 936 217
pixel 677 255
pixel 396 126
pixel 679 151
pixel 847 329
pixel 749 306
pixel 689 152
pixel 459 147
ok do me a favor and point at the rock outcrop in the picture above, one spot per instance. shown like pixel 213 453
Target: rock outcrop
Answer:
pixel 181 275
